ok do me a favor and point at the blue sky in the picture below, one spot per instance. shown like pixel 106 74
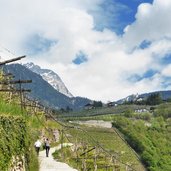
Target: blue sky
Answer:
pixel 101 49
pixel 80 58
pixel 116 14
pixel 37 44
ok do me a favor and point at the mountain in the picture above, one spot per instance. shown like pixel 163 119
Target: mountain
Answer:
pixel 136 97
pixel 43 91
pixel 164 94
pixel 51 77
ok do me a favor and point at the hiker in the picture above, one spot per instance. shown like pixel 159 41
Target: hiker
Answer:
pixel 37 145
pixel 47 146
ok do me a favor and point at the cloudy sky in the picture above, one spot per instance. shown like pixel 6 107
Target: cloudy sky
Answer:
pixel 102 49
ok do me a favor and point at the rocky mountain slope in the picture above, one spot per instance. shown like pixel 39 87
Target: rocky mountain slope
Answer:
pixel 51 77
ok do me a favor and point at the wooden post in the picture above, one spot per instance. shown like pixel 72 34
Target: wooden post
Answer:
pixel 127 168
pixel 95 159
pixel 62 152
pixel 10 97
pixel 21 99
pixel 24 101
pixel 76 148
pixel 83 159
pixel 11 60
pixel 114 163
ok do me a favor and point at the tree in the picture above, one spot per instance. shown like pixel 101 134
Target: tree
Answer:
pixel 129 113
pixel 97 104
pixel 68 109
pixel 154 99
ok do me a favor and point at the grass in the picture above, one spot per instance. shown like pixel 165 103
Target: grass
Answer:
pixel 34 163
pixel 9 109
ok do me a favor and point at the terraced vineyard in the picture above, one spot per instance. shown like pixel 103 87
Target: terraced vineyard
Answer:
pixel 147 133
pixel 112 152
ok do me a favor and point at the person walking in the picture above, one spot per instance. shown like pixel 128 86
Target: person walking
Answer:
pixel 47 147
pixel 37 145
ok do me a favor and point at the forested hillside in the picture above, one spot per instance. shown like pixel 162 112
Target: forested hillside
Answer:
pixel 147 129
pixel 151 140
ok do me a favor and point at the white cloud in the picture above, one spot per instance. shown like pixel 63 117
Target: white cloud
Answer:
pixel 167 71
pixel 105 76
pixel 152 23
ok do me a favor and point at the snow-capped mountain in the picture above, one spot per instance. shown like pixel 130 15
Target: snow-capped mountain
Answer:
pixel 51 77
pixel 129 98
pixel 165 95
pixel 42 91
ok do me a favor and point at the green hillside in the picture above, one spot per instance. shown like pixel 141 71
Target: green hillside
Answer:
pixel 148 133
pixel 19 129
pixel 151 140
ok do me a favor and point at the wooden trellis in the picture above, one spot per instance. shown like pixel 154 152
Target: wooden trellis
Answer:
pixel 9 83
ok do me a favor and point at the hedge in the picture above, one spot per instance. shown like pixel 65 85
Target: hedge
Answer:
pixel 14 141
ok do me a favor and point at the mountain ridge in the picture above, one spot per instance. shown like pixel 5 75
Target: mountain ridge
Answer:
pixel 43 91
pixel 51 77
pixel 165 94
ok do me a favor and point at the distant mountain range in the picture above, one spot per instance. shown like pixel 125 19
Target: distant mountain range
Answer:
pixel 138 97
pixel 45 92
pixel 48 88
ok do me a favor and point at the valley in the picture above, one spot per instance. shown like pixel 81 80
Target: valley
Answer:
pixel 147 133
pixel 85 85
pixel 114 136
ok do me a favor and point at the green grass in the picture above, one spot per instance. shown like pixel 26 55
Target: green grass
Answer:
pixel 9 109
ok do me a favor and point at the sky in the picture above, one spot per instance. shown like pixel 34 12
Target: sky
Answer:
pixel 102 49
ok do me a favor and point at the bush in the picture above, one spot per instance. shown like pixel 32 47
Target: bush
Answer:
pixel 14 140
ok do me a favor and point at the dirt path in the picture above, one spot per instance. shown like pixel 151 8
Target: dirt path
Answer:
pixel 49 164
pixel 96 123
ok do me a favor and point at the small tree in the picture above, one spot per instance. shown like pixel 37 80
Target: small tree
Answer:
pixel 68 109
pixel 154 99
pixel 97 104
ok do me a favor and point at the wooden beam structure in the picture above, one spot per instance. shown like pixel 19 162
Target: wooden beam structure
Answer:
pixel 12 60
pixel 88 151
pixel 15 82
pixel 8 75
pixel 15 90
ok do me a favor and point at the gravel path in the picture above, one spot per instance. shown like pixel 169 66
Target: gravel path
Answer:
pixel 96 123
pixel 49 164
